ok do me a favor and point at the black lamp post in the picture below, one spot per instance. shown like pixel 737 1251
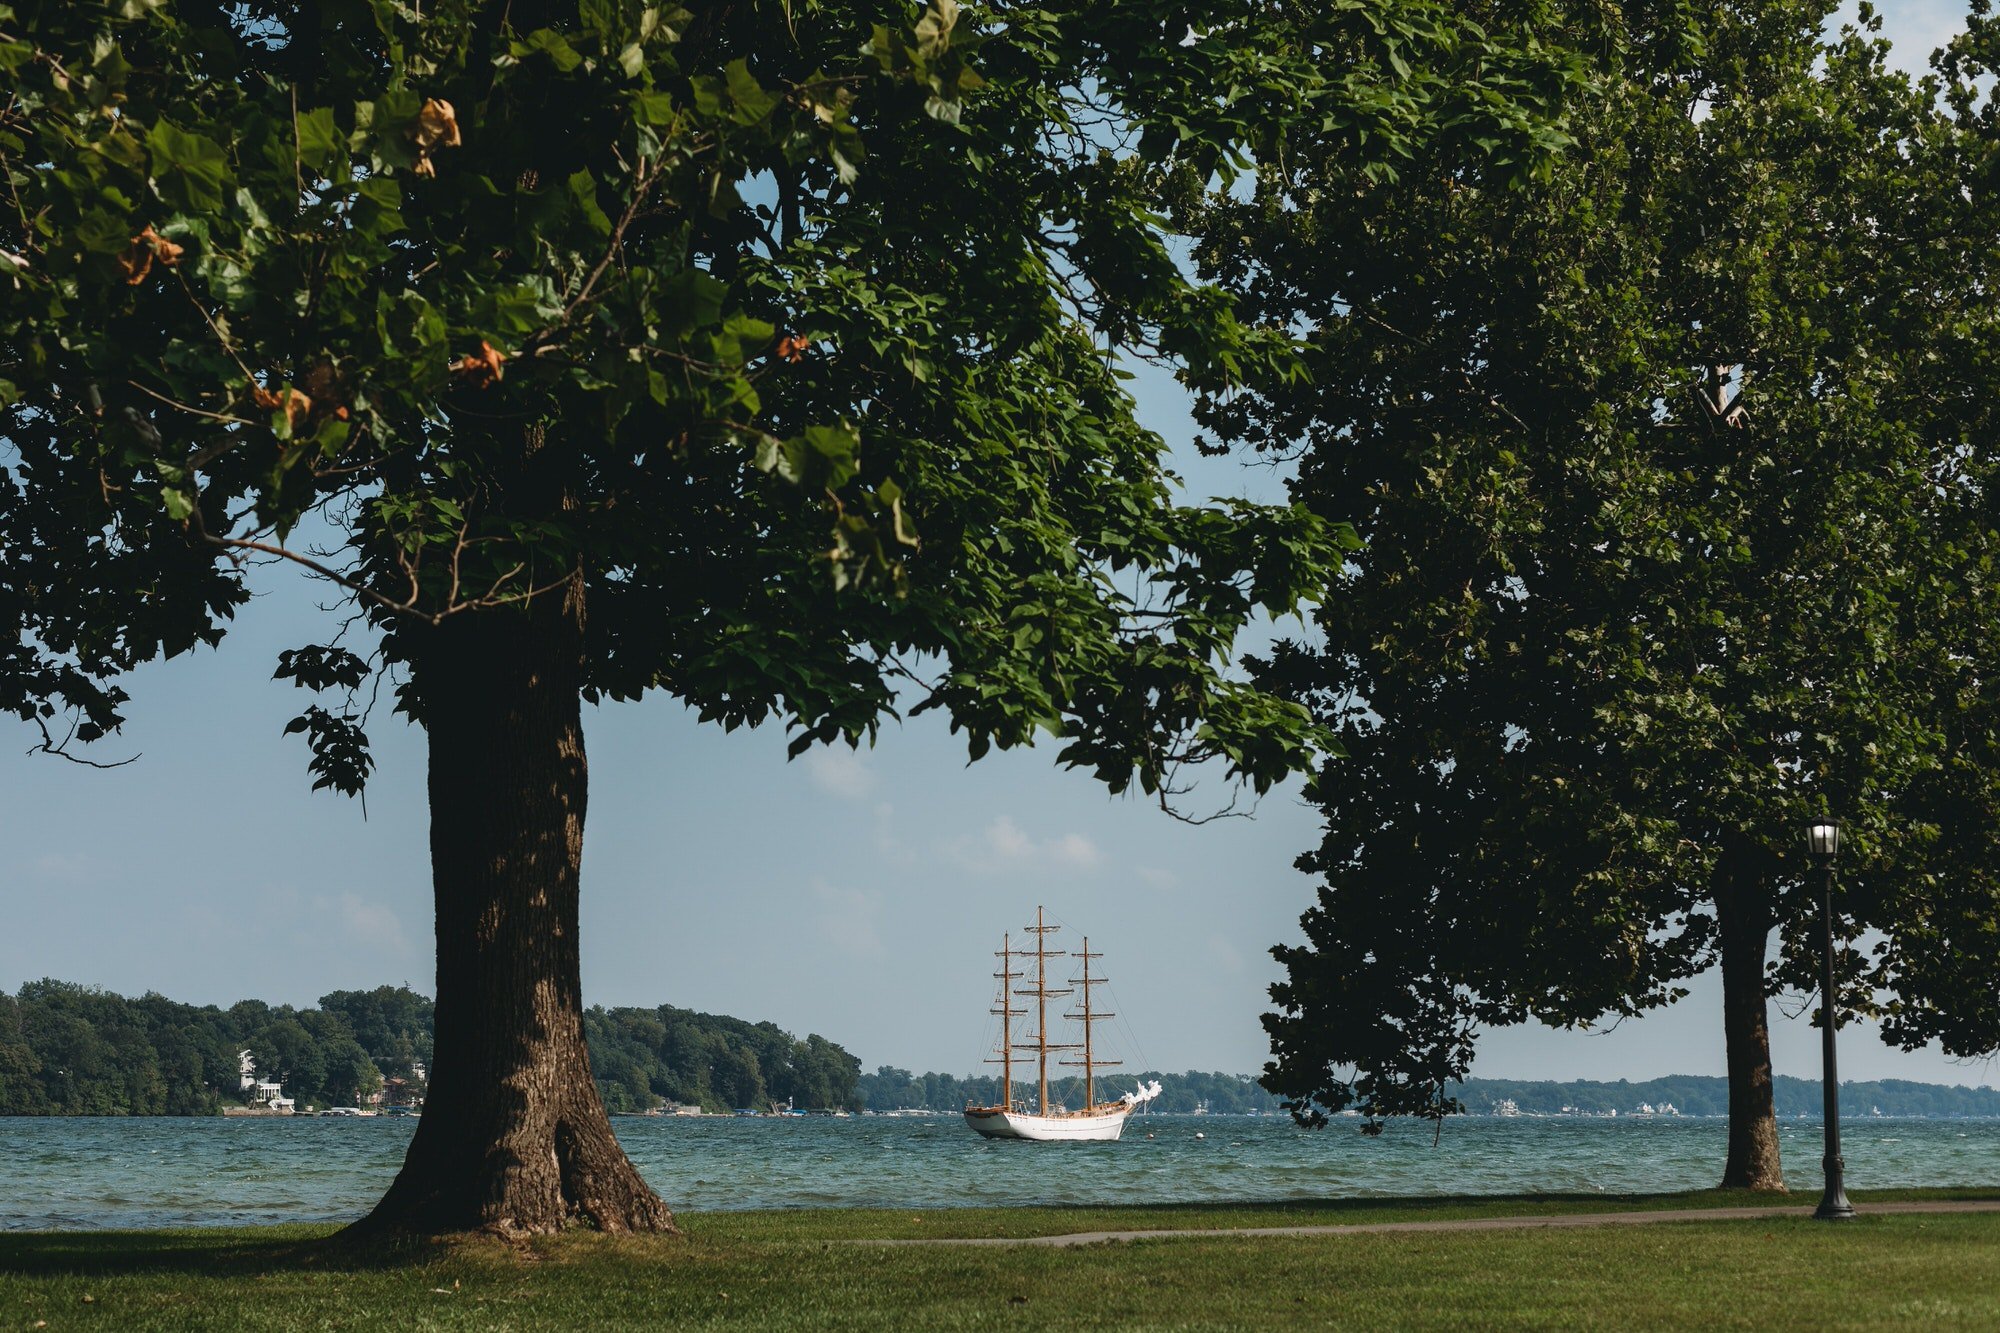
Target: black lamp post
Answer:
pixel 1823 840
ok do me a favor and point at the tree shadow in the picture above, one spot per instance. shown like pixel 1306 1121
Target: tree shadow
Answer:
pixel 217 1253
pixel 1362 1209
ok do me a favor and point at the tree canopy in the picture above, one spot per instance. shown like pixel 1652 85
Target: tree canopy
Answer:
pixel 1670 478
pixel 487 295
pixel 765 355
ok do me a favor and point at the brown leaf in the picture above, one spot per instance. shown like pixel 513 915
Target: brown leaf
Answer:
pixel 483 369
pixel 148 245
pixel 169 253
pixel 137 261
pixel 436 126
pixel 792 346
pixel 296 406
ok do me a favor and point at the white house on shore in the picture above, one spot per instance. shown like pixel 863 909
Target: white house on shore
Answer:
pixel 261 1090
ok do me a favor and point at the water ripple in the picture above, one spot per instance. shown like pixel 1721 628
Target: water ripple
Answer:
pixel 81 1173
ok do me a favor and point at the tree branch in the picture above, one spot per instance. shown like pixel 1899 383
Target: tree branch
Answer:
pixel 60 749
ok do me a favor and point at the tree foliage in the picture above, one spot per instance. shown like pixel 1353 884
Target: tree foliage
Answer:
pixel 75 1050
pixel 643 1057
pixel 1670 475
pixel 494 297
pixel 761 354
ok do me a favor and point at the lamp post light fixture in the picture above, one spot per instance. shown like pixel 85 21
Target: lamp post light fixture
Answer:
pixel 1823 841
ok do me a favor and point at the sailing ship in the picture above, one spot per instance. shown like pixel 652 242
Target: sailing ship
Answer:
pixel 1047 1121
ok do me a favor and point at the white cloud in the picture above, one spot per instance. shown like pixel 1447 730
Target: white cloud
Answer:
pixel 1076 850
pixel 840 771
pixel 1227 956
pixel 1155 878
pixel 1004 843
pixel 1914 27
pixel 63 868
pixel 851 919
pixel 887 843
pixel 1005 838
pixel 366 923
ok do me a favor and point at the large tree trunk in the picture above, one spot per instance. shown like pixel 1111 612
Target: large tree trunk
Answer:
pixel 1743 915
pixel 514 1138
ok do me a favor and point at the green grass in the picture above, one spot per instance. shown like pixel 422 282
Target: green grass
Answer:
pixel 792 1270
pixel 948 1223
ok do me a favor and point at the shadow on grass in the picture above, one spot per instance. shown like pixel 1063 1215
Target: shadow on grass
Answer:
pixel 208 1252
pixel 240 1251
pixel 821 1225
pixel 1593 1201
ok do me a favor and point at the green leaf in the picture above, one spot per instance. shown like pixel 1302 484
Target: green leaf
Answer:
pixel 583 190
pixel 189 169
pixel 378 207
pixel 751 102
pixel 691 300
pixel 321 145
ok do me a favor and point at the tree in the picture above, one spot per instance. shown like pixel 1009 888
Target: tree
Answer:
pixel 591 349
pixel 287 1053
pixel 751 354
pixel 1662 471
pixel 392 1024
pixel 20 1090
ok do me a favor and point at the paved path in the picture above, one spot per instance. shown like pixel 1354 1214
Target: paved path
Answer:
pixel 1528 1222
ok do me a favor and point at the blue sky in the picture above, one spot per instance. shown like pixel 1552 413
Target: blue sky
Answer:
pixel 854 895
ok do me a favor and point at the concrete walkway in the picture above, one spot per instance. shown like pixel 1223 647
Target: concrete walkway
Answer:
pixel 1521 1223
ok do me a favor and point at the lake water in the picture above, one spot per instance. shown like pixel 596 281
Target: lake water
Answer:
pixel 76 1173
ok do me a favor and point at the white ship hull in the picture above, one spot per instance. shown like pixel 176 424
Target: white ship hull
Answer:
pixel 1085 1126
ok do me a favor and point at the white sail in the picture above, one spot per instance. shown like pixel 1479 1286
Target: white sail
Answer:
pixel 1145 1094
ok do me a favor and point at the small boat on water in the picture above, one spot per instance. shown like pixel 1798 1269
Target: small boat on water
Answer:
pixel 1048 1122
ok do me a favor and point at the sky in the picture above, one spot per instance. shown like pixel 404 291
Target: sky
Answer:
pixel 854 894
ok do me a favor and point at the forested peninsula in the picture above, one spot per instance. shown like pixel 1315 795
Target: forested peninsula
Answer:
pixel 67 1049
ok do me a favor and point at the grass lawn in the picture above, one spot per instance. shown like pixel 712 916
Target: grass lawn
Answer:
pixel 793 1270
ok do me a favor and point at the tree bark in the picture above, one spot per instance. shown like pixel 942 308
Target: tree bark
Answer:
pixel 1744 919
pixel 514 1138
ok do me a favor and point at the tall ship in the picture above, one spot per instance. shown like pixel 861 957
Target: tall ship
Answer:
pixel 1044 1121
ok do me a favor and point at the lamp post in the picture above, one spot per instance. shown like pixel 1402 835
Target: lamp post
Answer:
pixel 1823 841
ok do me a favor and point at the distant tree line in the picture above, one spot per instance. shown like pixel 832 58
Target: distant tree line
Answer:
pixel 1693 1095
pixel 644 1057
pixel 67 1049
pixel 889 1089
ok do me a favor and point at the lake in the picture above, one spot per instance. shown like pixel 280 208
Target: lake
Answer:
pixel 90 1173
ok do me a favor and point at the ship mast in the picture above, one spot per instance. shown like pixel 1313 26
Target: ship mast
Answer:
pixel 1090 1017
pixel 1041 992
pixel 1007 1011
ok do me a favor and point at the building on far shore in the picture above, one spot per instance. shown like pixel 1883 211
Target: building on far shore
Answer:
pixel 261 1091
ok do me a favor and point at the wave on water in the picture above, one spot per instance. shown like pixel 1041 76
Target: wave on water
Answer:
pixel 92 1173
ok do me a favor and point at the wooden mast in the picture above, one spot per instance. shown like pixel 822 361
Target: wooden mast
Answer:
pixel 1089 1082
pixel 1007 976
pixel 1090 1016
pixel 1042 993
pixel 1042 1004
